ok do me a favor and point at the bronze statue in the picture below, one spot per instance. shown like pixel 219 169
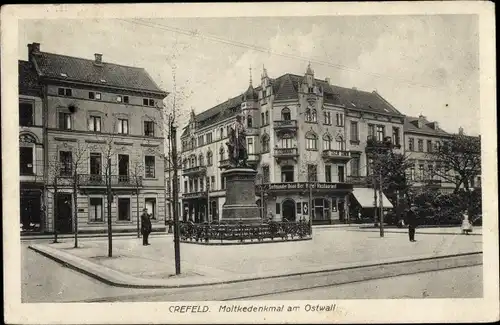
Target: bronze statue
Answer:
pixel 237 144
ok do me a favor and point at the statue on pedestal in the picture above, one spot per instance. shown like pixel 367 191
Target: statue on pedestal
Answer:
pixel 237 144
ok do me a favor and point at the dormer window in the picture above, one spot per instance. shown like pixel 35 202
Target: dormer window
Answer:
pixel 311 90
pixel 63 75
pixel 126 99
pixel 119 99
pixel 65 92
pixel 148 102
pixel 94 95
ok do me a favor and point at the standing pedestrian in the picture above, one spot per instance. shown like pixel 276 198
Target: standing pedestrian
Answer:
pixel 411 220
pixel 146 226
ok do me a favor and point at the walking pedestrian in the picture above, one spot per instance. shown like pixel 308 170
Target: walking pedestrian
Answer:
pixel 411 220
pixel 146 226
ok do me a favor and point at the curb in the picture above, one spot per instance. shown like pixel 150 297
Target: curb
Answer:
pixel 86 236
pixel 119 279
pixel 416 233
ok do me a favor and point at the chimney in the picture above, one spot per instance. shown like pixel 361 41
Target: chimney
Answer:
pixel 98 59
pixel 327 80
pixel 421 121
pixel 33 48
pixel 461 130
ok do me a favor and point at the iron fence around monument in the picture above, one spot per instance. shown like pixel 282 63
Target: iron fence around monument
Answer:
pixel 245 233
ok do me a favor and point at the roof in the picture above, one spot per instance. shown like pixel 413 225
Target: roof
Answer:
pixel 287 86
pixel 411 126
pixel 77 69
pixel 28 79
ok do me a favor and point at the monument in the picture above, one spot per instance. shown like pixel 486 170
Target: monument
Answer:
pixel 240 206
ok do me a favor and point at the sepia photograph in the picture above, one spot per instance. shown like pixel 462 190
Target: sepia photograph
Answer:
pixel 257 162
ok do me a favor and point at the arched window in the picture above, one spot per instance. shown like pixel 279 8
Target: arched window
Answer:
pixel 209 158
pixel 200 160
pixel 286 141
pixel 327 142
pixel 314 116
pixel 285 114
pixel 193 143
pixel 311 141
pixel 265 143
pixel 193 161
pixel 185 163
pixel 249 121
pixel 339 143
pixel 308 115
pixel 267 117
pixel 221 154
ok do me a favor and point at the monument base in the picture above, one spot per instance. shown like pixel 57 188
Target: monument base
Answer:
pixel 240 206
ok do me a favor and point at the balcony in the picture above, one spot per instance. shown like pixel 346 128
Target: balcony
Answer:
pixel 374 145
pixel 336 155
pixel 285 126
pixel 194 171
pixel 86 180
pixel 286 153
pixel 358 180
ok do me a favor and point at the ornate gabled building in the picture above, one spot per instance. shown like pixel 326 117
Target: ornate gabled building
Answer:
pixel 77 113
pixel 300 138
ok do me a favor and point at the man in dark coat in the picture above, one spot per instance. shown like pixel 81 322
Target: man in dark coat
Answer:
pixel 146 226
pixel 411 221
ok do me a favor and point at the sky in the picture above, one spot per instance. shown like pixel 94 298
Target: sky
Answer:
pixel 425 65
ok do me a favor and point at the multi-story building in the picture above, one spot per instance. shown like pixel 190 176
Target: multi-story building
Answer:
pixel 92 112
pixel 297 140
pixel 421 138
pixel 31 150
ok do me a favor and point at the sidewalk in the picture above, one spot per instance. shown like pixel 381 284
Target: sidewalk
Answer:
pixel 134 265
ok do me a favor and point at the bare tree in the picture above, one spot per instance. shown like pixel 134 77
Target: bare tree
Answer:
pixel 137 170
pixel 52 185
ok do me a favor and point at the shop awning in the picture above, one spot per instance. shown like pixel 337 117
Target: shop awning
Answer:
pixel 364 196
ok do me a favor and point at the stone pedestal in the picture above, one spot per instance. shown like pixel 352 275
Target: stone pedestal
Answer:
pixel 240 203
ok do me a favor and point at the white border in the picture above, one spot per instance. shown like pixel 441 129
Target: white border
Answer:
pixel 434 310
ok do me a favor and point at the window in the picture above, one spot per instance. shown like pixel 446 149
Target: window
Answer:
pixel 149 162
pixel 64 121
pixel 421 171
pixel 209 137
pixel 287 174
pixel 190 185
pixel 308 115
pixel 355 166
pixel 262 120
pixel 354 131
pixel 395 136
pixel 124 209
pixel 327 142
pixel 209 158
pixel 411 144
pixel 429 145
pixel 26 160
pixel 148 102
pixel 341 172
pixel 201 139
pixel 150 204
pixel 64 92
pixel 312 173
pixel 126 99
pixel 328 118
pixel 66 161
pixel 95 209
pixel 185 186
pixel 380 133
pixel 267 117
pixel 212 181
pixel 340 119
pixel 221 154
pixel 228 130
pixel 286 141
pixel 420 145
pixel 278 208
pixel 250 146
pixel 119 99
pixel 264 93
pixel 314 116
pixel 285 114
pixel 221 133
pixel 311 141
pixel 328 173
pixel 265 144
pixel 412 173
pixel 149 128
pixel 95 124
pixel 371 131
pixel 249 121
pixel 95 164
pixel 223 182
pixel 25 114
pixel 123 126
pixel 310 90
pixel 339 144
pixel 94 95
pixel 265 174
pixel 201 160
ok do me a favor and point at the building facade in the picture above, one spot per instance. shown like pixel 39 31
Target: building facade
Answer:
pixel 301 138
pixel 97 115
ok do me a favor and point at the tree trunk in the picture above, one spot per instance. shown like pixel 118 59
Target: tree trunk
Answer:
pixel 75 206
pixel 138 224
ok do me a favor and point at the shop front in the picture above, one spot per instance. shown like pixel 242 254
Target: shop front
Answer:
pixel 31 208
pixel 323 203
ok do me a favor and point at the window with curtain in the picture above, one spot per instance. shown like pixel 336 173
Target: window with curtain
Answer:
pixel 265 143
pixel 249 121
pixel 95 209
pixel 286 141
pixel 201 160
pixel 327 142
pixel 250 145
pixel 209 158
pixel 311 141
pixel 314 116
pixel 354 131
